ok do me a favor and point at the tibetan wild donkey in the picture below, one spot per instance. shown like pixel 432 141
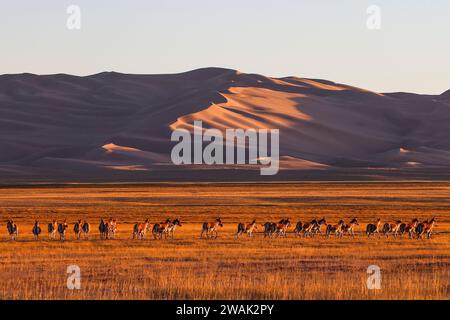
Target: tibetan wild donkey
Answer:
pixel 62 230
pixel 161 228
pixel 140 229
pixel 52 228
pixel 312 228
pixel 409 228
pixel 246 228
pixel 282 227
pixel 393 228
pixel 13 230
pixel 112 228
pixel 103 229
pixel 108 229
pixel 85 227
pixel 371 228
pixel 36 230
pixel 77 229
pixel 211 229
pixel 337 229
pixel 350 228
pixel 172 227
pixel 425 228
pixel 270 229
pixel 166 228
pixel 316 226
pixel 298 229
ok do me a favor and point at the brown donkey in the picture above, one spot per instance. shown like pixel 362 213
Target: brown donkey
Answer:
pixel 211 228
pixel 337 229
pixel 140 229
pixel 161 228
pixel 409 228
pixel 371 228
pixel 350 228
pixel 392 228
pixel 426 228
pixel 246 228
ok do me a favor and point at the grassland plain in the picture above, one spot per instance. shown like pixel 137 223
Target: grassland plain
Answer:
pixel 225 268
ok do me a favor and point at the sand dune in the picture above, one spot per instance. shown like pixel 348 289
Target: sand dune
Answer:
pixel 118 126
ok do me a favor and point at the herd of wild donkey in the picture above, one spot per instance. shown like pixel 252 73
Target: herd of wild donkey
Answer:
pixel 108 229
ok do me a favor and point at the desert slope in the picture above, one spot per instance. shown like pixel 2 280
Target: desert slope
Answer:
pixel 113 126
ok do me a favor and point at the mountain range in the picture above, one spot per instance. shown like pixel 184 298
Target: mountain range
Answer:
pixel 117 127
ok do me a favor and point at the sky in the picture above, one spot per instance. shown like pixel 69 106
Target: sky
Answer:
pixel 323 39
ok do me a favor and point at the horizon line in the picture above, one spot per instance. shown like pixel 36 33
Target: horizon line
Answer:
pixel 210 68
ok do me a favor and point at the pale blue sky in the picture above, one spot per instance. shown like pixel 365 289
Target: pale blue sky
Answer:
pixel 316 39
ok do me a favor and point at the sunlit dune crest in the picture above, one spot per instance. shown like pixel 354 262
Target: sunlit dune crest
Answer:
pixel 403 150
pixel 127 168
pixel 287 162
pixel 111 147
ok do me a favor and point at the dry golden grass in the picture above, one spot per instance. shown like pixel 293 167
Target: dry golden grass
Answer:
pixel 226 268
